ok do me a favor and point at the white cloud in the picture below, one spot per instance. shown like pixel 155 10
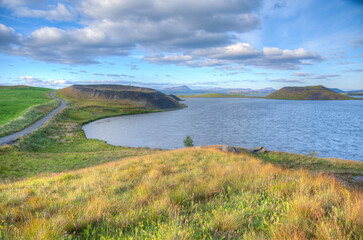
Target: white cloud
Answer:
pixel 234 51
pixel 302 74
pixel 49 83
pixel 58 13
pixel 297 54
pixel 7 36
pixel 241 53
pixel 182 32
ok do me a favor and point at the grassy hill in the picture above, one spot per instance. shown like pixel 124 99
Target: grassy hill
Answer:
pixel 23 105
pixel 182 194
pixel 125 95
pixel 307 93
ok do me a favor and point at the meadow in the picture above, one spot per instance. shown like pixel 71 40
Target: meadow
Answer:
pixel 61 144
pixel 183 194
pixel 57 184
pixel 22 106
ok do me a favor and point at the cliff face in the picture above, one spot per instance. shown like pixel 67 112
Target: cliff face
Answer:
pixel 128 95
pixel 307 93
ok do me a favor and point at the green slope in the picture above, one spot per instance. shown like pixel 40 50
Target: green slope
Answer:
pixel 307 93
pixel 16 100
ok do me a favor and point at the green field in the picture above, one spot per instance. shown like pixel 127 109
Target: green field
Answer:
pixel 51 188
pixel 15 101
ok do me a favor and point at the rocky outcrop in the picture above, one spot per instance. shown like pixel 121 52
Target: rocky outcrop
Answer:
pixel 120 94
pixel 227 148
pixel 257 150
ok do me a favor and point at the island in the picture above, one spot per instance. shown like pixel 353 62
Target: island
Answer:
pixel 308 93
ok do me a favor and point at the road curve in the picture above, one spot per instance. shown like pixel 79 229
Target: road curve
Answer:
pixel 12 137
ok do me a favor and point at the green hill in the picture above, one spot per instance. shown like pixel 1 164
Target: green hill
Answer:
pixel 307 93
pixel 120 94
pixel 16 100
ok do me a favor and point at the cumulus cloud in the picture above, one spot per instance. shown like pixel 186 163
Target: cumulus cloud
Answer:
pixel 242 53
pixel 192 33
pixel 7 37
pixel 58 13
pixel 234 51
pixel 114 28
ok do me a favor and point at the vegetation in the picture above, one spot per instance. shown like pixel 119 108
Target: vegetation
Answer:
pixel 32 115
pixel 182 194
pixel 356 94
pixel 121 94
pixel 307 93
pixel 61 144
pixel 15 101
pixel 188 142
pixel 343 169
pixel 194 193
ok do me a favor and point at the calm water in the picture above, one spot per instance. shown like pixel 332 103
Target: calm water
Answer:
pixel 333 128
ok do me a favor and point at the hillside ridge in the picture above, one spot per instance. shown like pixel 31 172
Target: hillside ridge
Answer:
pixel 121 94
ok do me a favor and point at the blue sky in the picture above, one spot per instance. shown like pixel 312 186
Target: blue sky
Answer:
pixel 164 43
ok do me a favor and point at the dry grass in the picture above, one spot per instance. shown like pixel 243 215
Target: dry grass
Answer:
pixel 183 194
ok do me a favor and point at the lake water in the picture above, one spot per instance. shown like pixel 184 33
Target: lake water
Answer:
pixel 332 128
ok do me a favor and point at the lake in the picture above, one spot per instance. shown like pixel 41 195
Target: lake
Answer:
pixel 332 128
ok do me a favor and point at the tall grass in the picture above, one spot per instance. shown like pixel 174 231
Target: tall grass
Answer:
pixel 183 194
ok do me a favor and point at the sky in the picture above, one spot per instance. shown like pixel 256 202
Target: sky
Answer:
pixel 165 43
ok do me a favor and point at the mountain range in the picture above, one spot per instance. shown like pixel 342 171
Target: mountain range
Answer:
pixel 186 90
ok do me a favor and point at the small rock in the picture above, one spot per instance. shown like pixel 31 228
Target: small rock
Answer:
pixel 257 150
pixel 227 148
pixel 357 179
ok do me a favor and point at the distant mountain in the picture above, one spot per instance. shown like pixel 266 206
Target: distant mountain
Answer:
pixel 188 91
pixel 307 93
pixel 179 89
pixel 337 90
pixel 355 91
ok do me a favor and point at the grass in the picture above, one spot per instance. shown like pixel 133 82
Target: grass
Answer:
pixel 183 194
pixel 345 170
pixel 32 115
pixel 61 144
pixel 16 100
pixel 308 93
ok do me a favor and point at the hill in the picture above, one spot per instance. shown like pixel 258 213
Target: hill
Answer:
pixel 307 93
pixel 125 95
pixel 21 105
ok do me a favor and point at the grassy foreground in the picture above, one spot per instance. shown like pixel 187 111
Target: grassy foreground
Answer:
pixel 16 100
pixel 181 194
pixel 61 144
